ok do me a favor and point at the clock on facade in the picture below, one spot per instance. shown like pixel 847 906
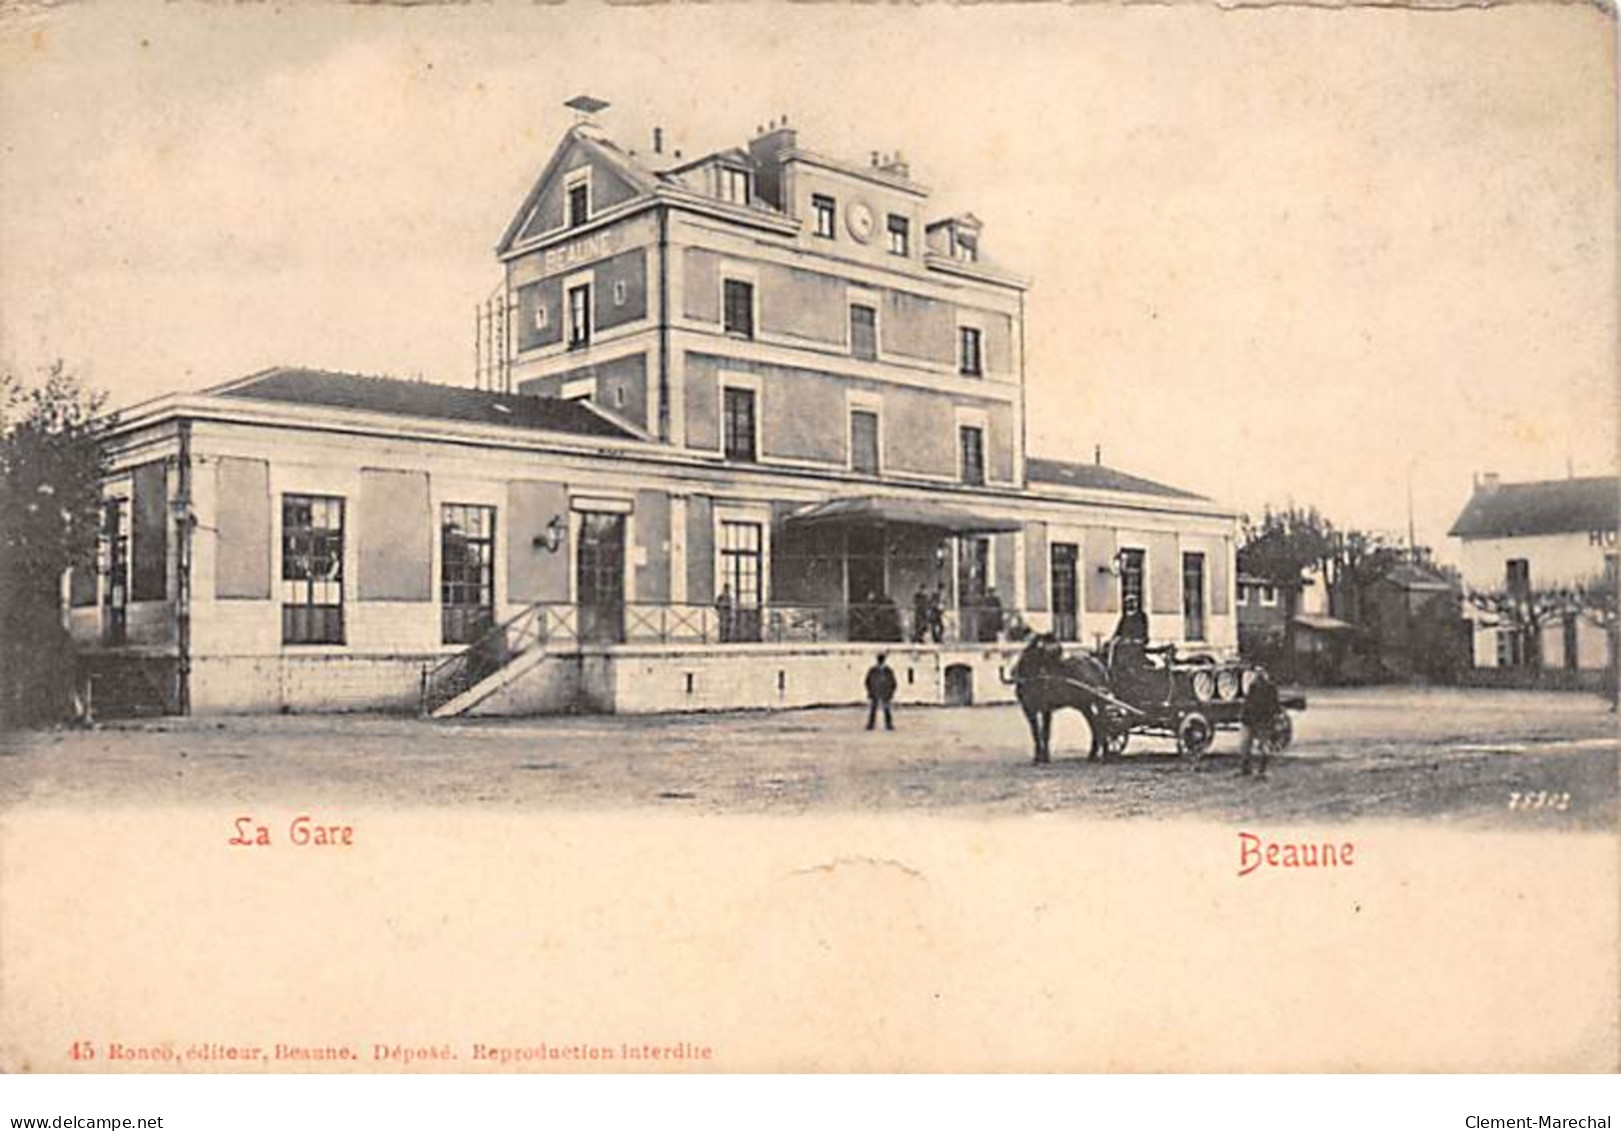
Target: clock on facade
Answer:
pixel 858 218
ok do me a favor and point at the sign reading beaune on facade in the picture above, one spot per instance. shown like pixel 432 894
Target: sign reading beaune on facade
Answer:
pixel 577 253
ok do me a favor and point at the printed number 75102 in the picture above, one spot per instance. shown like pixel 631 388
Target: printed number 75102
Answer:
pixel 1539 799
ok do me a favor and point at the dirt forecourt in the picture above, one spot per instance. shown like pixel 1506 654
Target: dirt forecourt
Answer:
pixel 1507 759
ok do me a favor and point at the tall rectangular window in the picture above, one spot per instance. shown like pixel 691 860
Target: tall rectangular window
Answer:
pixel 734 185
pixel 1517 576
pixel 1193 618
pixel 579 204
pixel 741 570
pixel 311 569
pixel 900 235
pixel 579 316
pixel 1133 563
pixel 863 332
pixel 115 570
pixel 970 356
pixel 971 441
pixel 739 422
pixel 825 213
pixel 1065 573
pixel 864 441
pixel 738 306
pixel 466 572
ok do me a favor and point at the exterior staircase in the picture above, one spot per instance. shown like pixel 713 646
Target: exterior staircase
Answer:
pixel 461 682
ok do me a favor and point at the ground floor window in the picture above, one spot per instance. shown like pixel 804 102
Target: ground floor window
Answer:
pixel 1193 618
pixel 1066 590
pixel 1515 647
pixel 311 569
pixel 115 570
pixel 467 572
pixel 1132 564
pixel 741 570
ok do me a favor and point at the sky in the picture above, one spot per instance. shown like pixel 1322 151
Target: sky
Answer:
pixel 1285 255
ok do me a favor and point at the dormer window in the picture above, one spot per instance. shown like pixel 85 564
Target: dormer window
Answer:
pixel 966 247
pixel 734 185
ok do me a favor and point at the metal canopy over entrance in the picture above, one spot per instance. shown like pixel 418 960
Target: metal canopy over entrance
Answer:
pixel 872 509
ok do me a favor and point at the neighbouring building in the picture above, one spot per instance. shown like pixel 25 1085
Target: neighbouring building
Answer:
pixel 757 413
pixel 1539 562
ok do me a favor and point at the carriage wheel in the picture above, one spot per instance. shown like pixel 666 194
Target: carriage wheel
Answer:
pixel 1283 732
pixel 1194 734
pixel 1114 742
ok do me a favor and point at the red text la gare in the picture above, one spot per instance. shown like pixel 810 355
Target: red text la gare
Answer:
pixel 303 831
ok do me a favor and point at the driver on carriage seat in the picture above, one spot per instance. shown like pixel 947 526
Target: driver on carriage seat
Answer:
pixel 1129 667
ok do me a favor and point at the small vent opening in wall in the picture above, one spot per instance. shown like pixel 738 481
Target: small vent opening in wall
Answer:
pixel 911 676
pixel 691 679
pixel 782 680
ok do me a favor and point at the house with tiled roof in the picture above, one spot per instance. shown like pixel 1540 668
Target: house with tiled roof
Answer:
pixel 1534 554
pixel 737 419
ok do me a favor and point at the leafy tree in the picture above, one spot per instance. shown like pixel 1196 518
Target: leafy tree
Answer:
pixel 1285 544
pixel 51 466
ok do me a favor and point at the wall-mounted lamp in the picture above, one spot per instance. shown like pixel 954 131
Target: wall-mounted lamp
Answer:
pixel 551 539
pixel 1111 567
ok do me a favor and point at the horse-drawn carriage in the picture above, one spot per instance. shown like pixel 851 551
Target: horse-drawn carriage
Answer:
pixel 1150 692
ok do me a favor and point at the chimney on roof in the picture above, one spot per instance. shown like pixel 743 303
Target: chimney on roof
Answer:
pixel 1489 481
pixel 1097 454
pixel 896 165
pixel 658 139
pixel 766 149
pixel 585 107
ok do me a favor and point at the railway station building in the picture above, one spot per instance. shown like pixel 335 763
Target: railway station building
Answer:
pixel 756 416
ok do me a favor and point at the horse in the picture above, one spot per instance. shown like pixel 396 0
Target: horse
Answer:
pixel 1046 680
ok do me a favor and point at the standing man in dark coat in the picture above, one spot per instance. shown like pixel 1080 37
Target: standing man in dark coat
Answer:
pixel 1259 715
pixel 880 692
